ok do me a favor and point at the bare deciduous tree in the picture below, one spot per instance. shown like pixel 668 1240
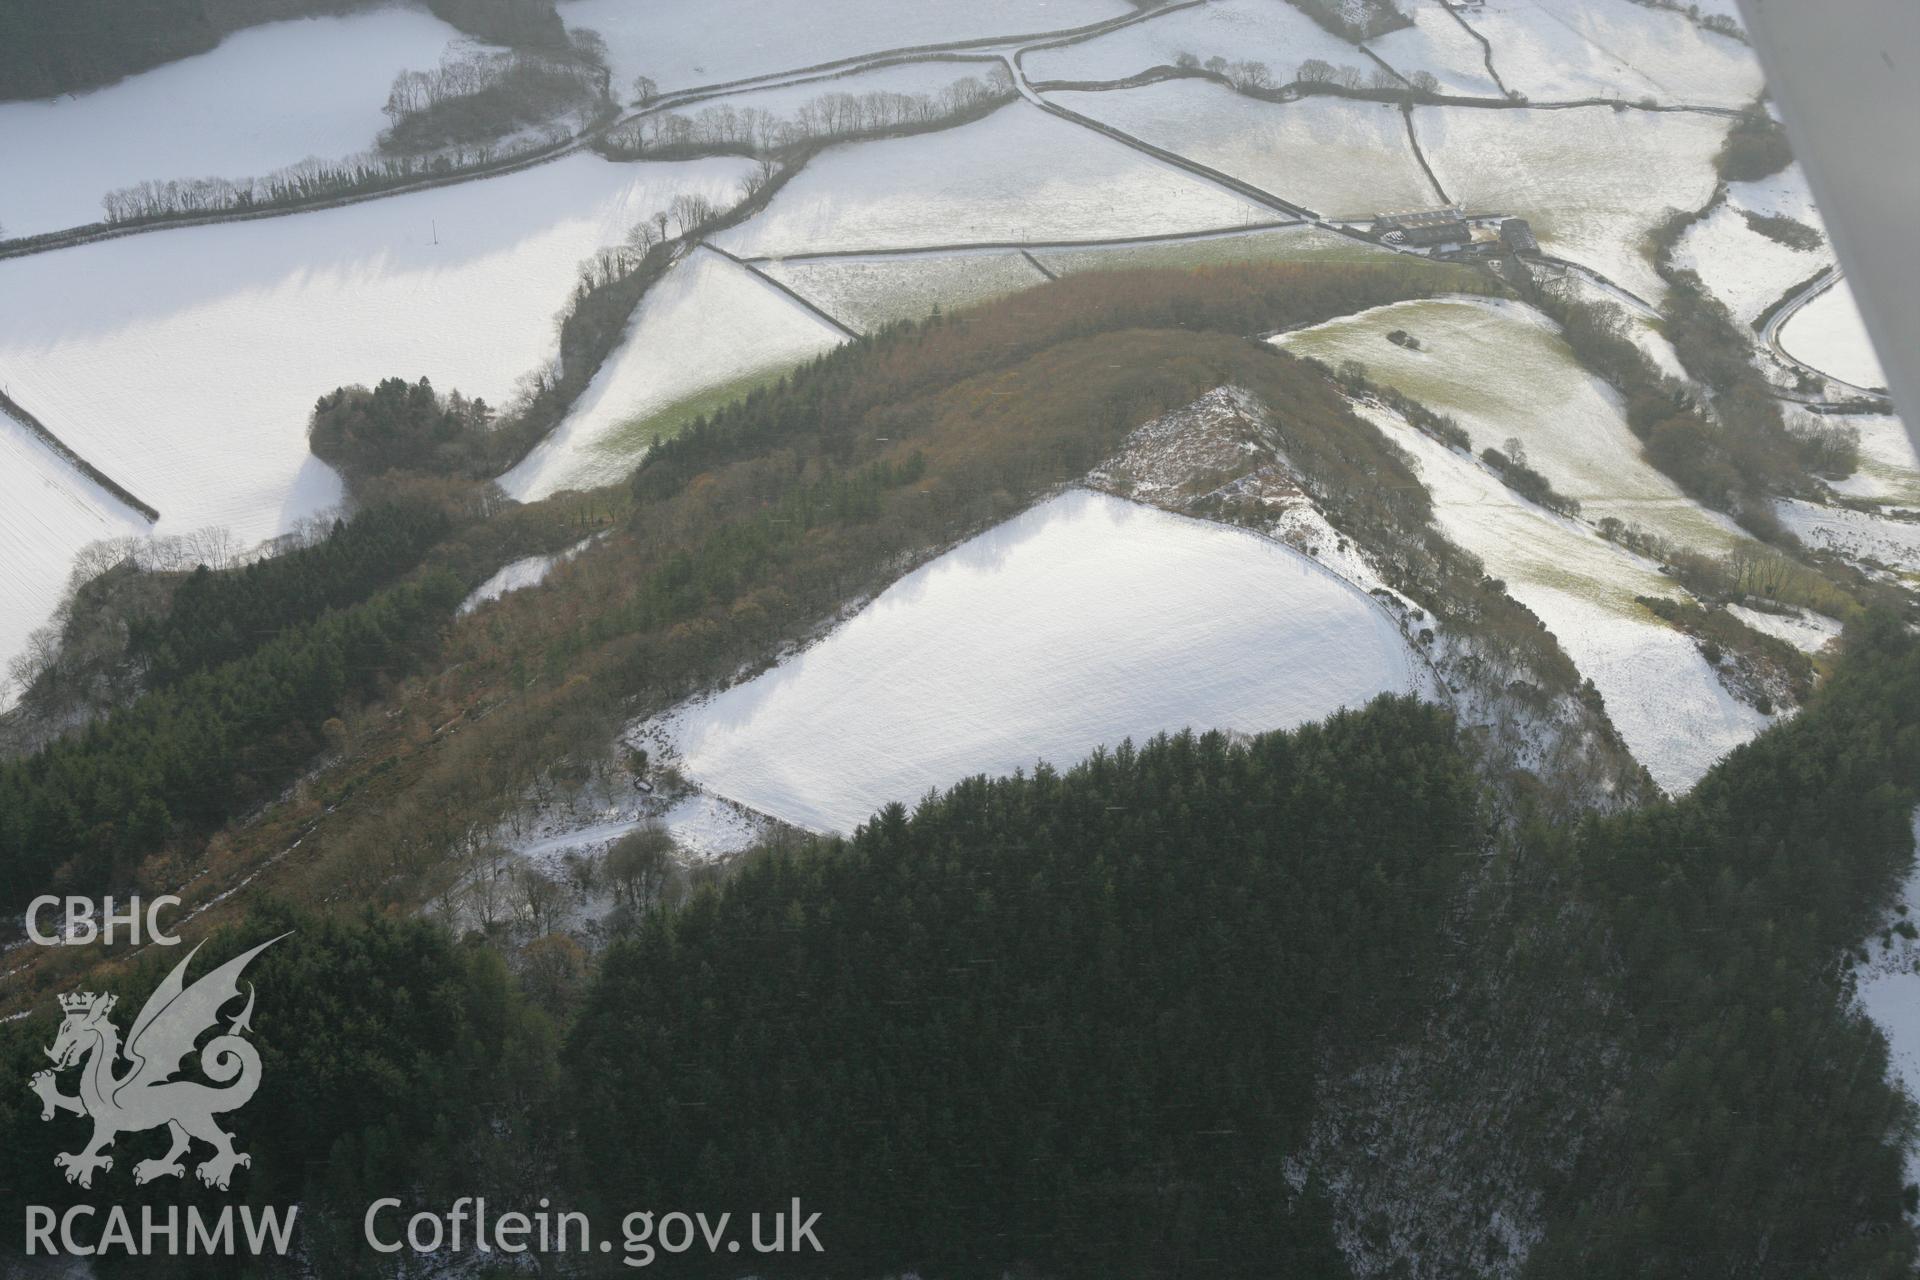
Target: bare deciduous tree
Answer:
pixel 638 866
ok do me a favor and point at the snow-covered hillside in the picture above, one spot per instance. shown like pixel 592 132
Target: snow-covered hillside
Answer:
pixel 867 292
pixel 1889 465
pixel 1226 249
pixel 1593 181
pixel 1829 334
pixel 1742 267
pixel 185 363
pixel 48 511
pixel 1278 35
pixel 709 323
pixel 1440 45
pixel 267 97
pixel 1082 622
pixel 1557 50
pixel 1662 695
pixel 1339 157
pixel 1020 175
pixel 1501 369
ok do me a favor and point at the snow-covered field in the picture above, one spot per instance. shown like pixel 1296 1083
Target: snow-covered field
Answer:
pixel 684 45
pixel 1557 50
pixel 1889 466
pixel 1663 697
pixel 185 363
pixel 1717 9
pixel 1340 157
pixel 1593 181
pixel 1887 989
pixel 1502 370
pixel 528 571
pixel 1829 334
pixel 1857 535
pixel 785 100
pixel 705 326
pixel 1437 43
pixel 1238 30
pixel 1744 269
pixel 1017 175
pixel 867 292
pixel 48 511
pixel 1082 622
pixel 267 97
pixel 1229 248
pixel 1810 632
pixel 1785 193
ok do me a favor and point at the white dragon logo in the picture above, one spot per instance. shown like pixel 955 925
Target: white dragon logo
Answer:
pixel 145 1097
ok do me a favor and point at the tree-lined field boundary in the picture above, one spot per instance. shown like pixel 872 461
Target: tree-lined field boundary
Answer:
pixel 71 456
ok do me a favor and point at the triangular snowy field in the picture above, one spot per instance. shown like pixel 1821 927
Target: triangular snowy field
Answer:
pixel 1084 621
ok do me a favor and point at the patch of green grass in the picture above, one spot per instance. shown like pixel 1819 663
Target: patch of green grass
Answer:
pixel 636 435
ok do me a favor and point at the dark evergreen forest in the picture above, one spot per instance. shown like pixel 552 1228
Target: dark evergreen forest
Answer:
pixel 1074 1023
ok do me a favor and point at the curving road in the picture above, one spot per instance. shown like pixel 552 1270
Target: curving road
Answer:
pixel 1770 335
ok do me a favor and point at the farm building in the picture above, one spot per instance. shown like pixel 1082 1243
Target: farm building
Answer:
pixel 1423 228
pixel 1518 236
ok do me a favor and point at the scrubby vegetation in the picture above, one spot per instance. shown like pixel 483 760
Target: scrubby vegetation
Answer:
pixel 1736 456
pixel 1790 232
pixel 1355 20
pixel 477 96
pixel 1756 147
pixel 1763 670
pixel 1511 463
